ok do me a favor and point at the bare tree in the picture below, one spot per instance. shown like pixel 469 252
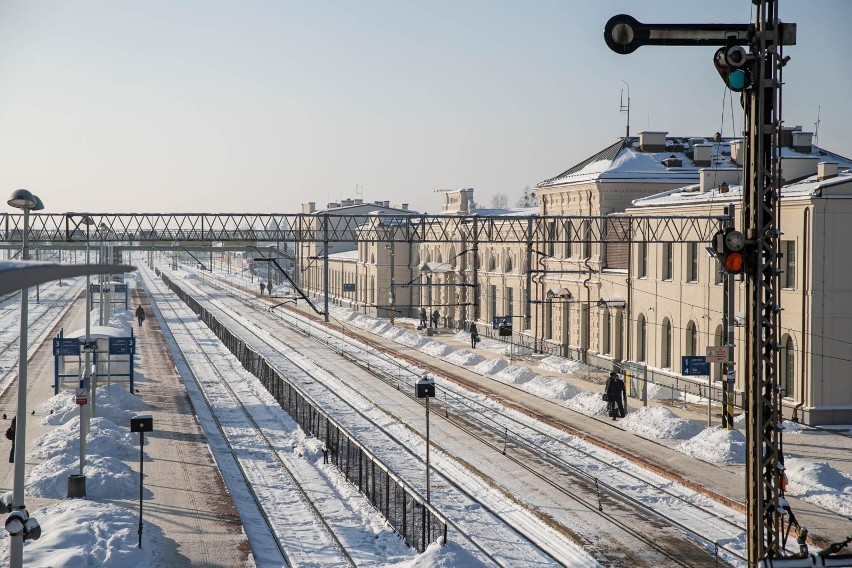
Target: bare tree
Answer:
pixel 528 198
pixel 499 201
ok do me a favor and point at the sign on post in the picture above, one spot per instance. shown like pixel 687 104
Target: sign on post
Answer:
pixel 65 347
pixel 122 345
pixel 81 397
pixel 717 354
pixel 694 365
pixel 348 287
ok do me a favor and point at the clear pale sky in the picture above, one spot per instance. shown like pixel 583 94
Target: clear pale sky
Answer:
pixel 258 106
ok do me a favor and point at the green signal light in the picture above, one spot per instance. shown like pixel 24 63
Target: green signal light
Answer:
pixel 738 80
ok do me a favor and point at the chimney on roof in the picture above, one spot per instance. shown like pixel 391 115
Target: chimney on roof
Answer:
pixel 346 202
pixel 794 169
pixel 652 141
pixel 803 142
pixel 332 205
pixel 358 202
pixel 701 154
pixel 403 206
pixel 694 141
pixel 826 170
pixel 709 179
pixel 309 207
pixel 737 147
pixel 785 139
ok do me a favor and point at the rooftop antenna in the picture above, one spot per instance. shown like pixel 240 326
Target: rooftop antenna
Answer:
pixel 359 190
pixel 816 127
pixel 625 107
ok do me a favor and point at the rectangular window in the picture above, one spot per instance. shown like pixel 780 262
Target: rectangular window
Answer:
pixel 789 263
pixel 569 235
pixel 643 260
pixel 551 237
pixel 692 262
pixel 667 261
pixel 493 302
pixel 548 321
pixel 587 243
pixel 509 302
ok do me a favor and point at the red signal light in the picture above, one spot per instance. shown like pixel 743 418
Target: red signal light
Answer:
pixel 734 262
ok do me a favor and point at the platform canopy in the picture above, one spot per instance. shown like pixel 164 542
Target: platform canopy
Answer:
pixel 19 274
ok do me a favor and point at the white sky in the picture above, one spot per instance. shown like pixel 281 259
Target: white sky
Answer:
pixel 258 106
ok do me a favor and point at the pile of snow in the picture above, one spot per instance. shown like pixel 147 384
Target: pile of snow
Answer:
pixel 113 402
pixel 657 391
pixel 820 484
pixel 78 532
pixel 588 403
pixel 515 375
pixel 716 445
pixel 105 439
pixel 106 477
pixel 436 349
pixel 551 388
pixel 490 366
pixel 464 357
pixel 659 423
pixel 562 365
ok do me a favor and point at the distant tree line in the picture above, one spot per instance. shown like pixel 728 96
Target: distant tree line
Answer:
pixel 527 199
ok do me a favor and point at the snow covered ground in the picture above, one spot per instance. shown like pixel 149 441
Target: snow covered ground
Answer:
pixel 94 532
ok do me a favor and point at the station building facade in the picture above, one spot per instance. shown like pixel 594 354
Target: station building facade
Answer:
pixel 580 294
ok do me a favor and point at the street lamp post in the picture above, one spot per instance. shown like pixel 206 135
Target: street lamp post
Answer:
pixel 26 201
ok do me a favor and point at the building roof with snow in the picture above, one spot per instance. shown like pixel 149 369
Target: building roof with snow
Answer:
pixel 655 157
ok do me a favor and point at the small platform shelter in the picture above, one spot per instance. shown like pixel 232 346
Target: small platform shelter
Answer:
pixel 116 294
pixel 112 350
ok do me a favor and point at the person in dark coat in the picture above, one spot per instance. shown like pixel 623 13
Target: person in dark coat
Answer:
pixel 616 395
pixel 262 287
pixel 423 317
pixel 140 315
pixel 436 315
pixel 10 434
pixel 474 336
pixel 269 288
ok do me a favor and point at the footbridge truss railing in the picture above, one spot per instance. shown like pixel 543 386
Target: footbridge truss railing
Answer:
pixel 151 229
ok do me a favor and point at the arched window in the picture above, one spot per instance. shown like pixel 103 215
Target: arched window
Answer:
pixel 453 259
pixel 666 344
pixel 641 338
pixel 507 265
pixel 438 257
pixel 787 358
pixel 605 332
pixel 691 338
pixel 491 263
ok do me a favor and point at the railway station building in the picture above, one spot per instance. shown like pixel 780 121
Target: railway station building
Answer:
pixel 605 303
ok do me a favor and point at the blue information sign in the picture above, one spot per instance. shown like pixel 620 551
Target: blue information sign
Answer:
pixel 694 365
pixel 64 347
pixel 348 287
pixel 122 345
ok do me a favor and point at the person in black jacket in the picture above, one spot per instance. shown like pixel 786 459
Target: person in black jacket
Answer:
pixel 616 395
pixel 140 315
pixel 474 336
pixel 10 435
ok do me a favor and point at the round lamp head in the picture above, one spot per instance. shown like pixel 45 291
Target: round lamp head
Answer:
pixel 23 199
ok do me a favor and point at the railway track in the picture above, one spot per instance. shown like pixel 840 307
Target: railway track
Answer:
pixel 253 450
pixel 547 449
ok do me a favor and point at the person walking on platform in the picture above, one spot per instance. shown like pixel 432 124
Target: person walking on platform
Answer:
pixel 423 317
pixel 140 314
pixel 269 288
pixel 474 336
pixel 262 287
pixel 436 316
pixel 616 395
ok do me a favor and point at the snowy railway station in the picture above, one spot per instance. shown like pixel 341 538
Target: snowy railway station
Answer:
pixel 311 450
pixel 644 361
